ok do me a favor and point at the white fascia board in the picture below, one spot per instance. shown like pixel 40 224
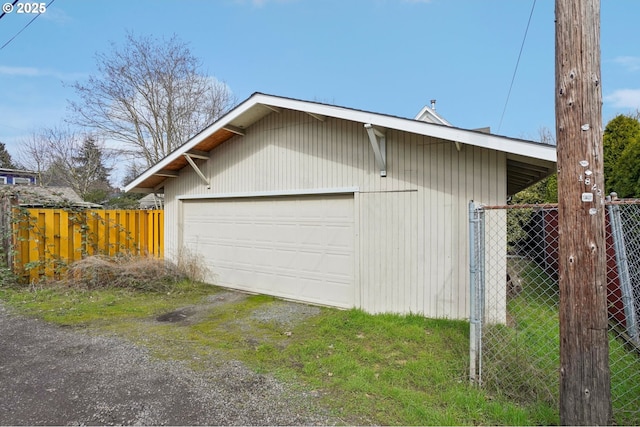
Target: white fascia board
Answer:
pixel 499 143
pixel 479 139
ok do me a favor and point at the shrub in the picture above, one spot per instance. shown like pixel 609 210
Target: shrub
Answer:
pixel 192 265
pixel 133 272
pixel 7 278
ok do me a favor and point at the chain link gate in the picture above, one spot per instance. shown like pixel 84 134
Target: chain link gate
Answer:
pixel 514 326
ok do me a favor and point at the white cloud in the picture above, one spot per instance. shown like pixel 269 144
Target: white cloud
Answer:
pixel 38 72
pixel 19 71
pixel 624 98
pixel 261 3
pixel 56 15
pixel 631 63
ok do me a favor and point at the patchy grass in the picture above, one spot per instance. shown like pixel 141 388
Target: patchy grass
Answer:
pixel 383 369
pixel 83 307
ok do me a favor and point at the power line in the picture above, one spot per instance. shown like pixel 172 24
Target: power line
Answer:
pixel 12 4
pixel 23 28
pixel 513 78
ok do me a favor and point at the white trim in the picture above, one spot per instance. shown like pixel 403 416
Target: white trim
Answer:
pixel 304 192
pixel 22 180
pixel 495 142
pixel 461 136
pixel 379 145
pixel 196 168
pixel 429 111
pixel 3 179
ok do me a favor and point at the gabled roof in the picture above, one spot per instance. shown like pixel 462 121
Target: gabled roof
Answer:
pixel 428 114
pixel 527 161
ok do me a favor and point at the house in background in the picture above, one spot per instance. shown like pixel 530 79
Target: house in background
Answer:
pixel 152 201
pixel 35 196
pixel 337 206
pixel 16 176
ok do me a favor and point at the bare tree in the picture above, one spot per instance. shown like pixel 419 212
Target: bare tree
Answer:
pixel 34 154
pixel 65 157
pixel 149 95
pixel 546 136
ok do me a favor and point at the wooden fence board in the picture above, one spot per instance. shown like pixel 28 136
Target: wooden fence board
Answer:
pixel 46 239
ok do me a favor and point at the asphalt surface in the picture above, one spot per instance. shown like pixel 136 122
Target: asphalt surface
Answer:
pixel 51 375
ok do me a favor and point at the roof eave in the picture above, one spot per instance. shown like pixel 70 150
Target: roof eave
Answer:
pixel 519 147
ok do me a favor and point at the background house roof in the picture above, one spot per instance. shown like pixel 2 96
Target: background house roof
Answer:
pixel 4 171
pixel 37 196
pixel 527 161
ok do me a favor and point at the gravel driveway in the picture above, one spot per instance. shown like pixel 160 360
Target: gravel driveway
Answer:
pixel 55 376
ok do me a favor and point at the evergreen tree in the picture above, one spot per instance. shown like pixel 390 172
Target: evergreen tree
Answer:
pixel 92 176
pixel 78 161
pixel 5 158
pixel 621 146
pixel 625 177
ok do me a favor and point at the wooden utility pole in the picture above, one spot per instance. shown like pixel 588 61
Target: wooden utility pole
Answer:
pixel 585 395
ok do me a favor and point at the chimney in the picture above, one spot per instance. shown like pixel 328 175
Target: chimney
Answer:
pixel 433 104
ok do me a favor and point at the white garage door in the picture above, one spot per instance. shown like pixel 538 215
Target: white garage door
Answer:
pixel 297 247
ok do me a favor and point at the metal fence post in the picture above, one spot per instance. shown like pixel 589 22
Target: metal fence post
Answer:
pixel 473 320
pixel 475 309
pixel 622 265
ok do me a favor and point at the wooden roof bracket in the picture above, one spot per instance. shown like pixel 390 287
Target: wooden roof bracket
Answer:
pixel 195 167
pixel 318 117
pixel 234 129
pixel 167 173
pixel 378 142
pixel 272 108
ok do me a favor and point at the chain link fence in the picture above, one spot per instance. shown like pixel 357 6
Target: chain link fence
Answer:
pixel 514 346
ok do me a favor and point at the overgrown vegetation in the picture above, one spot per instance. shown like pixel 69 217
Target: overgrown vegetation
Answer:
pixel 7 278
pixel 521 360
pixel 140 273
pixel 41 253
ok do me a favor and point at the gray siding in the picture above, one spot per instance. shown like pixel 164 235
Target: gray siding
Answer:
pixel 411 243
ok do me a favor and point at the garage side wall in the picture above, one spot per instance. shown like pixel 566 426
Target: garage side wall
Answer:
pixel 410 227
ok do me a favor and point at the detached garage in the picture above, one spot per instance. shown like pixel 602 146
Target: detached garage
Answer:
pixel 335 206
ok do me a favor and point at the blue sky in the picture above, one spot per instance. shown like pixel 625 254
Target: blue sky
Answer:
pixel 386 56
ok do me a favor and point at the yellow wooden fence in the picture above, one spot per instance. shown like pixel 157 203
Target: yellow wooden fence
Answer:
pixel 47 240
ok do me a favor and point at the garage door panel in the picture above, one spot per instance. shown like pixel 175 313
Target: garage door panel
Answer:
pixel 336 237
pixel 295 247
pixel 337 263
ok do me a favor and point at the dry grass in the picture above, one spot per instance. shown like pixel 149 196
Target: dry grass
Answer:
pixel 192 265
pixel 141 273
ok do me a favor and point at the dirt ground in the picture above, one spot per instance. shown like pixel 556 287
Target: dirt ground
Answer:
pixel 57 376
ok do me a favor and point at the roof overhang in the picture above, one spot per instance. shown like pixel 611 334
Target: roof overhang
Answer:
pixel 527 161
